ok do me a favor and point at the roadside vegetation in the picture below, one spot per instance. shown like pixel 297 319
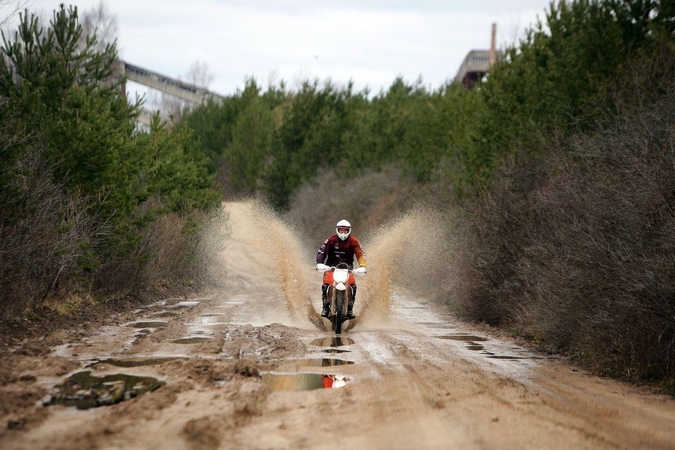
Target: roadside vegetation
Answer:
pixel 558 169
pixel 557 173
pixel 92 209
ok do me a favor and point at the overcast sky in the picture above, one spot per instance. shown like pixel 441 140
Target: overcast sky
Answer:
pixel 368 41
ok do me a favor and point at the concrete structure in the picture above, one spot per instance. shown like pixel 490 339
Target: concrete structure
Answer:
pixel 478 62
pixel 475 66
pixel 145 117
pixel 172 86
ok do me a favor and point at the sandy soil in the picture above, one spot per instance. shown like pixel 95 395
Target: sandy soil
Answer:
pixel 254 372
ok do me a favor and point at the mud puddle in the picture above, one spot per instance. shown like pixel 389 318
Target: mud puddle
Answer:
pixel 334 351
pixel 182 305
pixel 303 381
pixel 133 363
pixel 472 344
pixel 85 391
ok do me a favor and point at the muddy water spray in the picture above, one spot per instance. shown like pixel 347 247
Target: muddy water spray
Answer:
pixel 265 256
pixel 410 252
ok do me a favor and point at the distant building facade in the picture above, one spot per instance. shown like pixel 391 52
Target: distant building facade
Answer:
pixel 476 64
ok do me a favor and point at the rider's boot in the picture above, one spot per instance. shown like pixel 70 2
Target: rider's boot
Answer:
pixel 325 312
pixel 350 306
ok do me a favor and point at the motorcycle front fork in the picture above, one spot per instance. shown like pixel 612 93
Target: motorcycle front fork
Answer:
pixel 324 292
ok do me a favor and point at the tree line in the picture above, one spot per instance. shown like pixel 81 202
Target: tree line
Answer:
pixel 559 164
pixel 83 191
pixel 557 168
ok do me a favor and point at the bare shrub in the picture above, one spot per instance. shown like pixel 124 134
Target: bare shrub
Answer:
pixel 611 239
pixel 577 250
pixel 498 223
pixel 367 202
pixel 174 253
pixel 50 244
pixel 45 237
pixel 184 250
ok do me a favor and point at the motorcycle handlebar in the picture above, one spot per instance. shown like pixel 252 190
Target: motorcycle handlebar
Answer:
pixel 324 268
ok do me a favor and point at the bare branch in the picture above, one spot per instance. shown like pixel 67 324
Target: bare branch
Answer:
pixel 14 6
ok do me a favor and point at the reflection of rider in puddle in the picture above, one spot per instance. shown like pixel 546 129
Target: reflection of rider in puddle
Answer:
pixel 340 248
pixel 334 381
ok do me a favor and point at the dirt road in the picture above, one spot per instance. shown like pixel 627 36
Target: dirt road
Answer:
pixel 246 367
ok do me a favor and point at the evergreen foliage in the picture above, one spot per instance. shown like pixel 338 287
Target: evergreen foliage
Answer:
pixel 560 160
pixel 72 155
pixel 274 141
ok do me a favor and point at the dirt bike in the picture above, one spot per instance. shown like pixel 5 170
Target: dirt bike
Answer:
pixel 339 294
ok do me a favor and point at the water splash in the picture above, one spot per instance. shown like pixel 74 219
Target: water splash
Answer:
pixel 265 258
pixel 410 252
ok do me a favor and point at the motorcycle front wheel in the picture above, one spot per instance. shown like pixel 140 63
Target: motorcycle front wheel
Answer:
pixel 339 311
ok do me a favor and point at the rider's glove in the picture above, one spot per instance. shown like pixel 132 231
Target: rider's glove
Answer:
pixel 321 267
pixel 360 270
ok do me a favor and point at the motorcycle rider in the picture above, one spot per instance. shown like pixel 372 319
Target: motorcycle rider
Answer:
pixel 340 248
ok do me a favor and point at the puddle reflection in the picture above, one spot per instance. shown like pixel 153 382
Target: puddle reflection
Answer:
pixel 85 391
pixel 303 381
pixel 332 342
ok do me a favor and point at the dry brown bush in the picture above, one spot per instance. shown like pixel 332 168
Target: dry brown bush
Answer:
pixel 184 250
pixel 367 202
pixel 577 250
pixel 175 254
pixel 611 240
pixel 44 237
pixel 48 240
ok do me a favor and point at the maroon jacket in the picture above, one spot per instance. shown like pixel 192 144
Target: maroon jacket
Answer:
pixel 335 251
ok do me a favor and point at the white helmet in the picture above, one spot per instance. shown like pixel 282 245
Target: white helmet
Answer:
pixel 342 225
